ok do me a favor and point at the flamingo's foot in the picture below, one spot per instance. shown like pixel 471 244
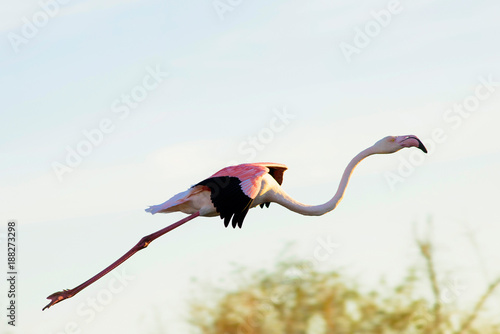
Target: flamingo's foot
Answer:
pixel 58 296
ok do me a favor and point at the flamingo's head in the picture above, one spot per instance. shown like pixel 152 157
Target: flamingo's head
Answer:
pixel 391 144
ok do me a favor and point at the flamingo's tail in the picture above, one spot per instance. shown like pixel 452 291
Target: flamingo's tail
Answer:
pixel 171 204
pixel 154 208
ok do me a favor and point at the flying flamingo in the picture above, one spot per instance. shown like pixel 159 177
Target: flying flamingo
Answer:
pixel 232 191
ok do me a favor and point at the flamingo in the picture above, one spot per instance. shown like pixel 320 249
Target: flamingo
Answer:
pixel 232 191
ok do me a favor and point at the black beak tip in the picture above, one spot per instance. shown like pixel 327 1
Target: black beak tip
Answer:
pixel 421 146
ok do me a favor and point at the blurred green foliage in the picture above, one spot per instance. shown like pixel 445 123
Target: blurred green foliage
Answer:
pixel 294 298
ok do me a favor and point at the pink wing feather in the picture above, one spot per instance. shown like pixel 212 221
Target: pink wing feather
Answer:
pixel 250 175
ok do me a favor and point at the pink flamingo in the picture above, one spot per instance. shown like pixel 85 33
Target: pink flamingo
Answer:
pixel 232 191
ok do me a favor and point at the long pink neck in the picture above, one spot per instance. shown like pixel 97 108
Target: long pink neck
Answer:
pixel 317 210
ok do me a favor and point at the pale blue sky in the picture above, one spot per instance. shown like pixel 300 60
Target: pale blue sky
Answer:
pixel 228 80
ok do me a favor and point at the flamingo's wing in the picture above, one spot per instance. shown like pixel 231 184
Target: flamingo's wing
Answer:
pixel 276 171
pixel 233 189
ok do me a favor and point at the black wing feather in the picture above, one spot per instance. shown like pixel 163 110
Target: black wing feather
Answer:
pixel 228 198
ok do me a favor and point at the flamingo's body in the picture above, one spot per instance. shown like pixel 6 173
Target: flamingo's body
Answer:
pixel 232 191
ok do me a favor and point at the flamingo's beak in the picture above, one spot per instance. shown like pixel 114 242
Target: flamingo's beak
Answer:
pixel 411 141
pixel 421 146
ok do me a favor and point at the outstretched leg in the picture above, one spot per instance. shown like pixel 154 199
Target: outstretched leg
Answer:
pixel 143 243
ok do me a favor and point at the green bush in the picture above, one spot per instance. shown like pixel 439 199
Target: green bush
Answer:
pixel 295 298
